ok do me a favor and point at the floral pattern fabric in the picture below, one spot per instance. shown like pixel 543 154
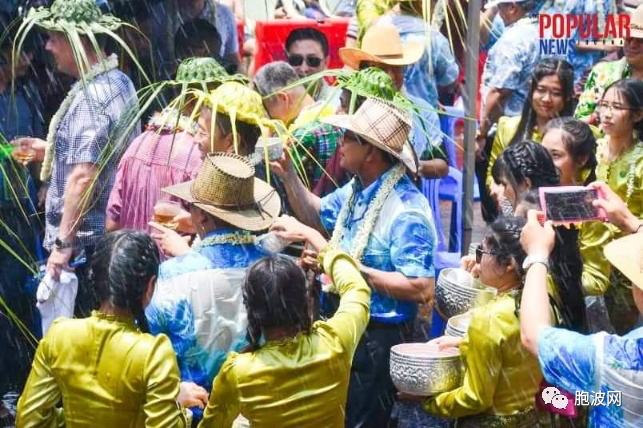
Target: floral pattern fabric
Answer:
pixel 510 63
pixel 601 76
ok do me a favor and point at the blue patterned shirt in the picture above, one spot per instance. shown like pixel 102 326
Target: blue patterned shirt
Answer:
pixel 198 304
pixel 86 134
pixel 402 241
pixel 597 363
pixel 437 67
pixel 510 63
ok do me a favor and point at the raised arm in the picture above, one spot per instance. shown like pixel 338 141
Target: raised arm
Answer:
pixel 352 316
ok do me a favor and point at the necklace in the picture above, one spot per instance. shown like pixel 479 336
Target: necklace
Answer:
pixel 370 218
pixel 99 68
pixel 233 238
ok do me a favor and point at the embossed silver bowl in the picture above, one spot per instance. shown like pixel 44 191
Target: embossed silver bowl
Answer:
pixel 458 325
pixel 457 291
pixel 422 369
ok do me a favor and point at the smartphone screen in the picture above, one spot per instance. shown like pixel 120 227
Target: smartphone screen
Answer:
pixel 569 204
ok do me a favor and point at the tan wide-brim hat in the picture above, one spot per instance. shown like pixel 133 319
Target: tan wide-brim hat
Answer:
pixel 626 254
pixel 226 187
pixel 636 23
pixel 382 44
pixel 382 125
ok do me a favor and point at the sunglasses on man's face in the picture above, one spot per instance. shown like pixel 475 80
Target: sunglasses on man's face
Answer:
pixel 311 60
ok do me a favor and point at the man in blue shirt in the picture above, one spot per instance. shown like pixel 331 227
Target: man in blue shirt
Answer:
pixel 383 221
pixel 604 370
pixel 198 301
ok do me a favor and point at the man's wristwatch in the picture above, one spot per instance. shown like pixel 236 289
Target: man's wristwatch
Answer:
pixel 531 260
pixel 59 244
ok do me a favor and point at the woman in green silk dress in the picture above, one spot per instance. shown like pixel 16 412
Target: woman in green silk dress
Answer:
pixel 620 165
pixel 500 378
pixel 106 369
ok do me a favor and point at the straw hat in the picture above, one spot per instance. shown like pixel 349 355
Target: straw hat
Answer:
pixel 636 23
pixel 84 16
pixel 384 126
pixel 382 44
pixel 226 187
pixel 626 254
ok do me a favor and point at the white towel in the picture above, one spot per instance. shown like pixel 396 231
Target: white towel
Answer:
pixel 56 298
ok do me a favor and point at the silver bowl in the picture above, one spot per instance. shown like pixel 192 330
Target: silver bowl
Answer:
pixel 457 292
pixel 458 325
pixel 421 369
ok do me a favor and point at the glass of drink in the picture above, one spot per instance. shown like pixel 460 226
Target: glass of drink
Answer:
pixel 164 213
pixel 22 153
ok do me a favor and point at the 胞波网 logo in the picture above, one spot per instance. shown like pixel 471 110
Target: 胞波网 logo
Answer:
pixel 559 33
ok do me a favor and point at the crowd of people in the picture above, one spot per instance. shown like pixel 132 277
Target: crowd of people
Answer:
pixel 189 239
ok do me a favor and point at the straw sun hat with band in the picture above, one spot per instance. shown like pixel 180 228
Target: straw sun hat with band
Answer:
pixel 636 23
pixel 226 188
pixel 626 254
pixel 382 44
pixel 382 125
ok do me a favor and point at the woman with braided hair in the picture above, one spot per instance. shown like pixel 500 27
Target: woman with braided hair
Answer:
pixel 106 369
pixel 294 372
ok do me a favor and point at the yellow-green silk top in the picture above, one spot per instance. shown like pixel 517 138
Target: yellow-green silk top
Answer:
pixel 303 381
pixel 501 377
pixel 107 374
pixel 507 127
pixel 623 175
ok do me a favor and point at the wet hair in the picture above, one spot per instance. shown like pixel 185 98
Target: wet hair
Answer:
pixel 503 241
pixel 579 142
pixel 631 90
pixel 546 67
pixel 247 133
pixel 525 160
pixel 121 268
pixel 566 270
pixel 275 295
pixel 308 34
pixel 193 33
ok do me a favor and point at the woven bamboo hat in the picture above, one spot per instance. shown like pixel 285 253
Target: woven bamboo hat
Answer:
pixel 636 23
pixel 226 187
pixel 626 254
pixel 82 15
pixel 382 43
pixel 384 126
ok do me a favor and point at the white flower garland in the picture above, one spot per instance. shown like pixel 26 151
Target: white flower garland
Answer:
pixel 370 218
pixel 100 67
pixel 167 120
pixel 234 238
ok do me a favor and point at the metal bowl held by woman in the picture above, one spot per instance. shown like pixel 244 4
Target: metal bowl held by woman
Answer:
pixel 458 325
pixel 457 291
pixel 422 369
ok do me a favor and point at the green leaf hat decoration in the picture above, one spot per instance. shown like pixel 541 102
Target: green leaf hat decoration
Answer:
pixel 85 15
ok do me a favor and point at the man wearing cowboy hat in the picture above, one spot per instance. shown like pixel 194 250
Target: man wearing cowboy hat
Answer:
pixel 198 301
pixel 384 222
pixel 605 73
pixel 382 48
pixel 84 140
pixel 595 363
pixel 437 68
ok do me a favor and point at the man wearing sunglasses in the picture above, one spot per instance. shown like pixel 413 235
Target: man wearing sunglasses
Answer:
pixel 307 53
